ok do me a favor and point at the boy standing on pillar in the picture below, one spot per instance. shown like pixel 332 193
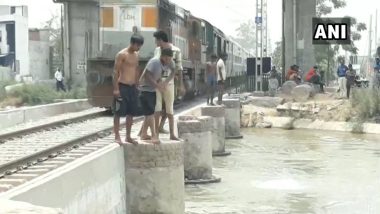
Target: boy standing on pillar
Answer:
pixel 211 79
pixel 151 85
pixel 125 87
pixel 221 76
pixel 168 95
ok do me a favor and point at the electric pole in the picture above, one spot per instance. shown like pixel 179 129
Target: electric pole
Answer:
pixel 259 44
pixel 376 38
pixel 369 45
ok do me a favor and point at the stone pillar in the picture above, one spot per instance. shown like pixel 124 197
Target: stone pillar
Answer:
pixel 154 177
pixel 218 132
pixel 232 118
pixel 196 132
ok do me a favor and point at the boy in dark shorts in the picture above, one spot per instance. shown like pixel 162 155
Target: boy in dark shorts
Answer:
pixel 124 87
pixel 150 81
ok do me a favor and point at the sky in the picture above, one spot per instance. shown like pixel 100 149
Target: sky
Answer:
pixel 227 15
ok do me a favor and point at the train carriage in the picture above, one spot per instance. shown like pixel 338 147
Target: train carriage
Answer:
pixel 196 38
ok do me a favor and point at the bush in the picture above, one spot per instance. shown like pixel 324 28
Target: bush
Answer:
pixel 40 94
pixel 76 93
pixel 366 103
pixel 3 84
pixel 34 94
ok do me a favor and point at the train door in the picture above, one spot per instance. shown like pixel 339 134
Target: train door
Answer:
pixel 219 45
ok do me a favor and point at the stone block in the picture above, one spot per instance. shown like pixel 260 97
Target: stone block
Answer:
pixel 207 122
pixel 158 188
pixel 302 92
pixel 258 94
pixel 218 135
pixel 213 111
pixel 267 102
pixel 143 154
pixel 231 103
pixel 197 155
pixel 287 87
pixel 189 126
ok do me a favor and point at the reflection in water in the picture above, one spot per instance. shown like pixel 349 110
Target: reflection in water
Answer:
pixel 277 171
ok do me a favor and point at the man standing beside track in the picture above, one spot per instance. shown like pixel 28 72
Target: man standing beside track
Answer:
pixel 125 87
pixel 151 85
pixel 221 76
pixel 211 79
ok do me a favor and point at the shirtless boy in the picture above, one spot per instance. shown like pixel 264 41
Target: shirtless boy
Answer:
pixel 124 86
pixel 211 79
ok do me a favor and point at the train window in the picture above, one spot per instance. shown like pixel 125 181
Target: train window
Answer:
pixel 107 17
pixel 149 17
pixel 13 10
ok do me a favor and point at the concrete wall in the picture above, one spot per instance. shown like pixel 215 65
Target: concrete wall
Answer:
pixel 92 184
pixel 301 45
pixel 39 54
pixel 22 44
pixel 22 38
pixel 27 114
pixel 5 73
pixel 4 48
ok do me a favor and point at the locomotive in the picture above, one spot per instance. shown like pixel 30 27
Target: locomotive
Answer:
pixel 197 38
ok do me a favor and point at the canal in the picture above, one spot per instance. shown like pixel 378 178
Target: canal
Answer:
pixel 277 171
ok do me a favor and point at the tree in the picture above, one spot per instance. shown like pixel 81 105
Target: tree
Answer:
pixel 277 55
pixel 55 39
pixel 246 35
pixel 325 55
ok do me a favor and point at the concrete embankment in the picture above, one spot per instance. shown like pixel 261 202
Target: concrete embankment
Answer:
pixel 27 114
pixel 136 179
pixel 293 123
pixel 327 115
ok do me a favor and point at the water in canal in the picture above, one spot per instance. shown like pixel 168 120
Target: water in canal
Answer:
pixel 277 171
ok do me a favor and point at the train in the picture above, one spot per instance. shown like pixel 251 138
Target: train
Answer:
pixel 197 38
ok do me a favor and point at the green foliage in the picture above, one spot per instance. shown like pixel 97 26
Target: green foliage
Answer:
pixel 42 94
pixel 3 84
pixel 366 102
pixel 34 94
pixel 277 55
pixel 325 7
pixel 325 55
pixel 246 35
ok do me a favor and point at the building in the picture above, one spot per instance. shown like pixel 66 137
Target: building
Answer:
pixel 39 54
pixel 14 42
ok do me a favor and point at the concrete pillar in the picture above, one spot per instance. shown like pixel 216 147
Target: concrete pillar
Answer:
pixel 218 131
pixel 298 33
pixel 154 177
pixel 196 132
pixel 81 38
pixel 232 118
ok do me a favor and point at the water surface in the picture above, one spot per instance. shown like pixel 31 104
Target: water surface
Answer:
pixel 298 171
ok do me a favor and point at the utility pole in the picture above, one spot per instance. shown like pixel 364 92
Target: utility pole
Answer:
pixel 259 44
pixel 376 38
pixel 265 25
pixel 369 45
pixel 283 44
pixel 261 48
pixel 257 21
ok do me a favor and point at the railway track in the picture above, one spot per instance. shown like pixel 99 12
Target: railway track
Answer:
pixel 29 153
pixel 49 125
